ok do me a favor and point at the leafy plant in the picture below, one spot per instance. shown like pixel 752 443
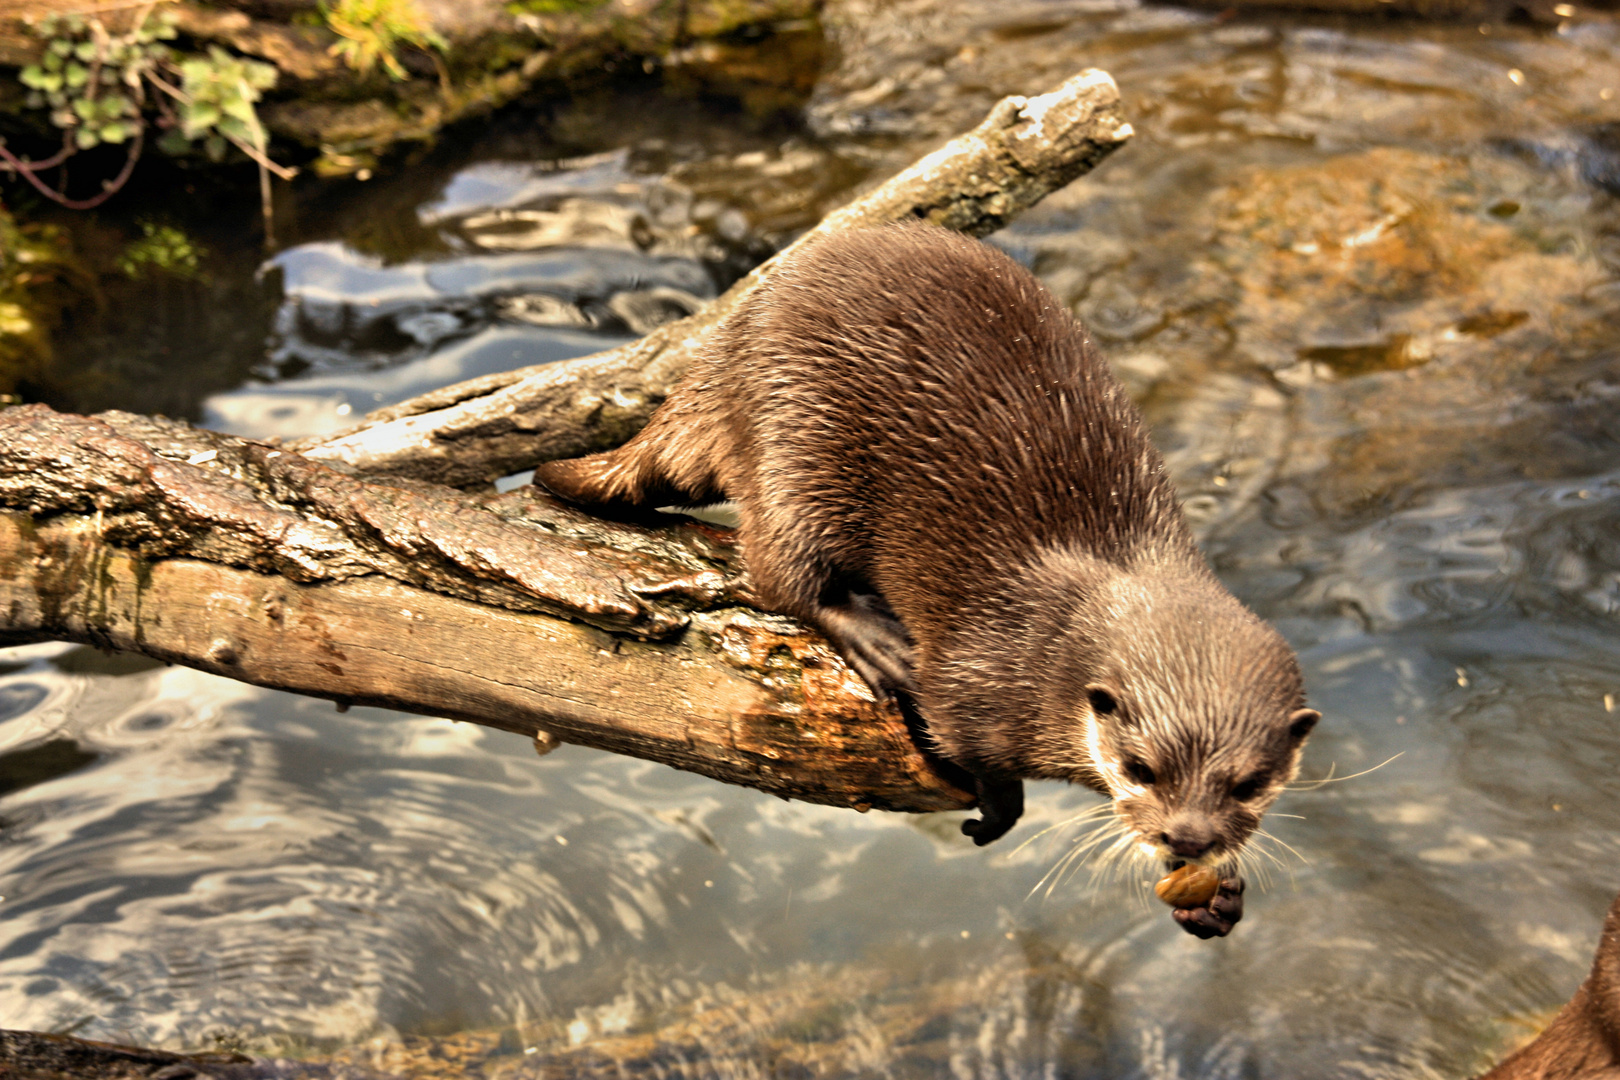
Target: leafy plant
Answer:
pixel 94 82
pixel 99 88
pixel 217 99
pixel 374 30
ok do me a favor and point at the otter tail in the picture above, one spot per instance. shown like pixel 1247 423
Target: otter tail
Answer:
pixel 670 463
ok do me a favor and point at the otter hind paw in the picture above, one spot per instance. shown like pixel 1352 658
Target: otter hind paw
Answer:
pixel 603 486
pixel 872 640
pixel 581 481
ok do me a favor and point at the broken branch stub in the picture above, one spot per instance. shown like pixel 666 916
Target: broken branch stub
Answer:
pixel 512 611
pixel 476 431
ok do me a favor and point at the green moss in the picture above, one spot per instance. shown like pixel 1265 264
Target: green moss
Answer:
pixel 552 7
pixel 143 582
pixel 164 249
pixel 37 278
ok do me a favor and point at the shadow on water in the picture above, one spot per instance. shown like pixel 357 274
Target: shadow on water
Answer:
pixel 40 763
pixel 1362 277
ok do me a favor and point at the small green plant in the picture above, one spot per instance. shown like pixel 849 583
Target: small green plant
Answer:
pixel 162 248
pixel 374 30
pixel 102 87
pixel 217 98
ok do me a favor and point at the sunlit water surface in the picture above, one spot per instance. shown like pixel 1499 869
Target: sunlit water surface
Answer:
pixel 1362 276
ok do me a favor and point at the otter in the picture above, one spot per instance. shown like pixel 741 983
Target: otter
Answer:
pixel 1583 1040
pixel 934 466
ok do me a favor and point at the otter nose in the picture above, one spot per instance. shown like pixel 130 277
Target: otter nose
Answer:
pixel 1188 840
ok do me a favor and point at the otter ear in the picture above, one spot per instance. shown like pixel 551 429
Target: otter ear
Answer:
pixel 1104 699
pixel 1300 723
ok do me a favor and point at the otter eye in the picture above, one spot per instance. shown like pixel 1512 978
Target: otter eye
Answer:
pixel 1247 790
pixel 1102 700
pixel 1139 773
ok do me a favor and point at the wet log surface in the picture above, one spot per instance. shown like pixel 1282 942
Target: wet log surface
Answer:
pixel 485 428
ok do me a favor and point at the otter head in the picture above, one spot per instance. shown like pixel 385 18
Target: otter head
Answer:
pixel 1182 707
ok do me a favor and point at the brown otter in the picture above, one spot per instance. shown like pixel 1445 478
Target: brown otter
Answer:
pixel 934 466
pixel 1583 1040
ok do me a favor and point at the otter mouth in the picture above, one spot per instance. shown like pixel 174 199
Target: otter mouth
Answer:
pixel 1173 863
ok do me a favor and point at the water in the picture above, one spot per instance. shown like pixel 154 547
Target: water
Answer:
pixel 1362 277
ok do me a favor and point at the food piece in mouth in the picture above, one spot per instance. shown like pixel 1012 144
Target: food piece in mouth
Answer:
pixel 1188 886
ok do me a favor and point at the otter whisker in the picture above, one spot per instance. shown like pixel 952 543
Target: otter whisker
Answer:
pixel 1098 837
pixel 1283 844
pixel 1141 883
pixel 1249 865
pixel 1059 873
pixel 1051 878
pixel 1116 858
pixel 1112 833
pixel 1083 845
pixel 1243 864
pixel 1084 815
pixel 1312 785
pixel 1257 851
pixel 1121 838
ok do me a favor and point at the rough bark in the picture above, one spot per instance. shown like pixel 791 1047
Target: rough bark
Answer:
pixel 28 1055
pixel 512 611
pixel 501 424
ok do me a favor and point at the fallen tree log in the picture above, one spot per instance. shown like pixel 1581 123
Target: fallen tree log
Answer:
pixel 513 611
pixel 364 579
pixel 493 426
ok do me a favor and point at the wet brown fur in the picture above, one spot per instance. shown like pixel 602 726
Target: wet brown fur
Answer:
pixel 907 414
pixel 1583 1040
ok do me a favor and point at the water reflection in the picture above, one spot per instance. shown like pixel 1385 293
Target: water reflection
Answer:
pixel 1364 285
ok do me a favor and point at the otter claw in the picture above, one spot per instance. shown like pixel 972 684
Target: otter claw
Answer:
pixel 1216 918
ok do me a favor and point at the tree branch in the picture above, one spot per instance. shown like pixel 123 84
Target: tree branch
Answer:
pixel 485 428
pixel 257 564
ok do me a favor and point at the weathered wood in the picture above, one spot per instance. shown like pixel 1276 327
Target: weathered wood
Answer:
pixel 500 424
pixel 260 565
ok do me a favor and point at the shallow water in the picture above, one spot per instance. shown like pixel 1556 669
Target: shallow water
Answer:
pixel 1362 277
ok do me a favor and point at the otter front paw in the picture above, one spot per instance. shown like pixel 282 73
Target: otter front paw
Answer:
pixel 1001 804
pixel 1216 918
